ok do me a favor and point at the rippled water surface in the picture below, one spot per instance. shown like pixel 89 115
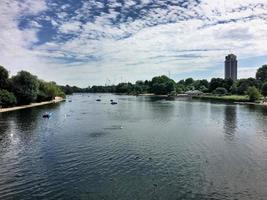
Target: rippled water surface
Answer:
pixel 142 148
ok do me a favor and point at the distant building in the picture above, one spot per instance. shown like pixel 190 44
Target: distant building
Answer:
pixel 230 67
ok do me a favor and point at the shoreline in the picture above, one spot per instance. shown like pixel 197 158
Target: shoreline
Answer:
pixel 3 110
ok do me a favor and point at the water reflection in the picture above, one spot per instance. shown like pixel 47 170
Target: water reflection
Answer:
pixel 230 121
pixel 138 149
pixel 18 128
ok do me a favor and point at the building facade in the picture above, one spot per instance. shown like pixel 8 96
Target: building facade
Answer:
pixel 230 67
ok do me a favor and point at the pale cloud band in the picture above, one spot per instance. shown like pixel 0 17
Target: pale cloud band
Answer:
pixel 90 42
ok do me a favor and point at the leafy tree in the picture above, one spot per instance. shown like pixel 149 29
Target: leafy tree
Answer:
pixel 228 84
pixel 244 84
pixel 181 82
pixel 48 91
pixel 25 87
pixel 233 89
pixel 264 90
pixel 179 89
pixel 124 88
pixel 7 99
pixel 3 78
pixel 253 93
pixel 202 88
pixel 189 81
pixel 262 73
pixel 215 83
pixel 201 85
pixel 159 88
pixel 162 85
pixel 220 91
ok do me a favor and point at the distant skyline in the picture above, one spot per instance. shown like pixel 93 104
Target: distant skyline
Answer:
pixel 87 42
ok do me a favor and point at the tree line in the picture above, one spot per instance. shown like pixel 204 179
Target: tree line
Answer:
pixel 163 85
pixel 25 88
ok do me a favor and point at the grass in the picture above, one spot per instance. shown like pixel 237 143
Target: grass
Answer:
pixel 228 98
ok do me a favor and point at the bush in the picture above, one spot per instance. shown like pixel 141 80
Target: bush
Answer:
pixel 220 91
pixel 253 94
pixel 7 99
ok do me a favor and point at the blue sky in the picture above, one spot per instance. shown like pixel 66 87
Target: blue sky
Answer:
pixel 86 42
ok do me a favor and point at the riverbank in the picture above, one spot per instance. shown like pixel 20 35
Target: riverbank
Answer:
pixel 2 110
pixel 226 98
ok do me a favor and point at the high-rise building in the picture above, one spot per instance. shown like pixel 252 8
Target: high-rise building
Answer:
pixel 230 67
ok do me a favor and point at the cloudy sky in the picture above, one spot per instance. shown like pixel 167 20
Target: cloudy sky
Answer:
pixel 86 42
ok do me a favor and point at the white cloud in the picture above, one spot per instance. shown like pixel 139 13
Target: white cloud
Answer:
pixel 70 27
pixel 186 38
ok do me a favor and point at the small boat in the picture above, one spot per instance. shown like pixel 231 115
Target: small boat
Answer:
pixel 47 115
pixel 70 100
pixel 98 100
pixel 111 100
pixel 113 103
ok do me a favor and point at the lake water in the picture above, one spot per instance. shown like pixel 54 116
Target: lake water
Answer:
pixel 143 148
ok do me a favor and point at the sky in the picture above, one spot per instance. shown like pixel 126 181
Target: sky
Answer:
pixel 87 42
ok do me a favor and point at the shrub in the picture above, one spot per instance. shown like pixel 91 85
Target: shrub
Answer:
pixel 253 93
pixel 220 91
pixel 7 99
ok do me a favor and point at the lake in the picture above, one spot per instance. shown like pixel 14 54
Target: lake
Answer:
pixel 142 148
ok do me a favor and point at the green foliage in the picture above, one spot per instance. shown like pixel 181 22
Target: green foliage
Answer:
pixel 25 87
pixel 220 91
pixel 179 88
pixel 262 73
pixel 201 85
pixel 216 83
pixel 228 83
pixel 244 84
pixel 3 78
pixel 7 99
pixel 264 89
pixel 124 88
pixel 48 91
pixel 189 81
pixel 253 94
pixel 233 89
pixel 162 85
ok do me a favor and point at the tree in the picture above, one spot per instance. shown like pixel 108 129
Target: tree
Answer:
pixel 253 93
pixel 162 85
pixel 262 73
pixel 124 88
pixel 220 91
pixel 264 90
pixel 189 81
pixel 201 85
pixel 7 99
pixel 215 83
pixel 48 91
pixel 244 84
pixel 25 87
pixel 228 83
pixel 233 89
pixel 3 78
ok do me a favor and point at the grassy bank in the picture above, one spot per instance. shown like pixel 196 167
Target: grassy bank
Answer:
pixel 227 98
